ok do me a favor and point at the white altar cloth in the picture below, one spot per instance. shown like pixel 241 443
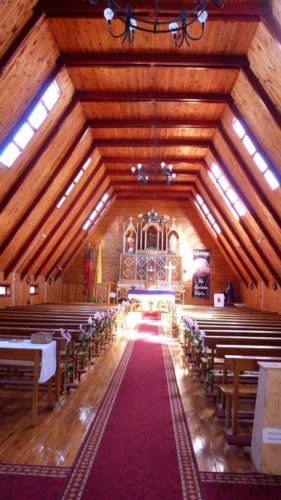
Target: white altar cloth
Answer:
pixel 48 362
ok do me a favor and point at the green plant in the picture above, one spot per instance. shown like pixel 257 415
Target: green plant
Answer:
pixel 91 298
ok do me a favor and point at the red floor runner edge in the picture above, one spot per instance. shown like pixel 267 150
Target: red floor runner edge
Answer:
pixel 138 446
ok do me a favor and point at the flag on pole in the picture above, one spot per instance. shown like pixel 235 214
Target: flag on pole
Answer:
pixel 88 272
pixel 99 266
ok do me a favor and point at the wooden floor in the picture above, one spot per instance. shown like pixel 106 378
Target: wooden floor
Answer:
pixel 57 437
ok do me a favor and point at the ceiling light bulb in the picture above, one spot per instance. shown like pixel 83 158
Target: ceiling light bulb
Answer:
pixel 133 169
pixel 170 167
pixel 108 14
pixel 139 166
pixel 174 175
pixel 163 164
pixel 202 16
pixel 173 27
pixel 133 25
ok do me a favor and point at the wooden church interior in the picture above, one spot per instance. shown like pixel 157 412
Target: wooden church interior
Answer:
pixel 212 111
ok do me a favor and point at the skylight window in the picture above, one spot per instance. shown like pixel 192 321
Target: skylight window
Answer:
pixel 206 214
pixel 271 179
pixel 76 180
pixel 262 165
pixel 258 159
pixel 238 128
pixel 62 200
pixel 99 206
pixel 22 137
pixel 215 170
pixel 94 216
pixel 87 163
pixel 10 154
pixel 51 96
pixel 226 191
pixel 37 116
pixel 249 145
pixel 78 176
pixel 68 191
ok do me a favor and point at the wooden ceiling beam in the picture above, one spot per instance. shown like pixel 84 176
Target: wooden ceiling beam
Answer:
pixel 92 96
pixel 20 39
pixel 44 189
pixel 28 170
pixel 160 123
pixel 227 222
pixel 145 59
pixel 149 195
pixel 169 10
pixel 133 183
pixel 267 202
pixel 77 247
pixel 79 233
pixel 245 201
pixel 273 27
pixel 158 143
pixel 230 243
pixel 127 172
pixel 36 230
pixel 49 212
pixel 175 160
pixel 264 97
pixel 228 256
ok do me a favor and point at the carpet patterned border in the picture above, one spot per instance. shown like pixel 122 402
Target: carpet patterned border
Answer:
pixel 190 478
pixel 243 478
pixel 34 470
pixel 84 462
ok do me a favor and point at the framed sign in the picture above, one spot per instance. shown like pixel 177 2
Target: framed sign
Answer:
pixel 201 275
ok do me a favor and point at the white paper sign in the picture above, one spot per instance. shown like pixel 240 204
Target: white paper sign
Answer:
pixel 271 435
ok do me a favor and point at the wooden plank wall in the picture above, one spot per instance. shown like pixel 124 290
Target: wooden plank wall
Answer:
pixel 109 232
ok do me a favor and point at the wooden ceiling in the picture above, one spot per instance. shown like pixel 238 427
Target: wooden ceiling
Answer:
pixel 146 103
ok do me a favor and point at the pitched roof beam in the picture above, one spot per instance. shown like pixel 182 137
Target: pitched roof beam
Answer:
pixel 34 20
pixel 227 222
pixel 253 138
pixel 259 90
pixel 67 230
pixel 23 118
pixel 44 189
pixel 267 202
pixel 245 201
pixel 64 214
pixel 230 243
pixel 28 170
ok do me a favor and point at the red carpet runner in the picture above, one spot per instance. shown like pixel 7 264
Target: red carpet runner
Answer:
pixel 138 447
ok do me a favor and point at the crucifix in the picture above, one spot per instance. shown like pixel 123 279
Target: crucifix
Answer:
pixel 170 267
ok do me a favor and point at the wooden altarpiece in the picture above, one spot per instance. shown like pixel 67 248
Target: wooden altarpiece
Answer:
pixel 151 256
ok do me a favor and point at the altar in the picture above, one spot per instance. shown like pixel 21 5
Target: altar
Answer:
pixel 153 299
pixel 151 261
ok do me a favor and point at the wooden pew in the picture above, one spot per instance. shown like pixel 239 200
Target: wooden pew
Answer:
pixel 238 364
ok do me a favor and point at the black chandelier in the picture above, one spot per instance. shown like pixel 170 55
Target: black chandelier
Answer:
pixel 153 216
pixel 142 174
pixel 178 27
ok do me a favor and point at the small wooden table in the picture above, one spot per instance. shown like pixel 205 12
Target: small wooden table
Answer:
pixel 41 356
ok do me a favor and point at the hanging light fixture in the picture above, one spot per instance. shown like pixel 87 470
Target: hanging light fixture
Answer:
pixel 142 174
pixel 179 28
pixel 153 216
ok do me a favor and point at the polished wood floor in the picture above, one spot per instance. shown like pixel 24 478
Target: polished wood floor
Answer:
pixel 59 433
